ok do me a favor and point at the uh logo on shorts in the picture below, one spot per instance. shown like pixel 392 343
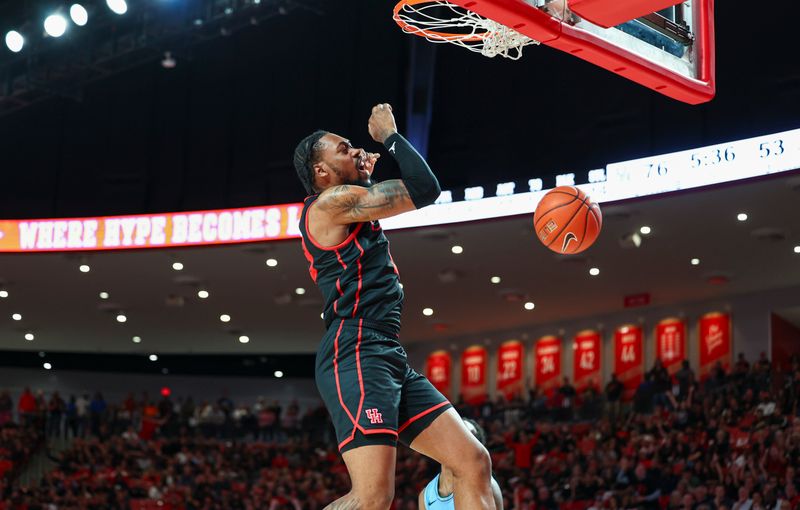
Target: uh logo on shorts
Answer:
pixel 374 416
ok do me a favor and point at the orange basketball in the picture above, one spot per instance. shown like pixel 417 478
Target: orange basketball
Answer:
pixel 566 220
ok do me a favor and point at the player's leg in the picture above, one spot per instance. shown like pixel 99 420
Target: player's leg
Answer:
pixel 430 426
pixel 361 388
pixel 371 470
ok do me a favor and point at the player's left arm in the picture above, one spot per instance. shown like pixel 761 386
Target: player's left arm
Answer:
pixel 421 500
pixel 498 496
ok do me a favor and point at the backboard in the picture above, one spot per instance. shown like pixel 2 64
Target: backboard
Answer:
pixel 670 51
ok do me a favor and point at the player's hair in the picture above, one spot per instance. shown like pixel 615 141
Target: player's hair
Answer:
pixel 479 433
pixel 306 155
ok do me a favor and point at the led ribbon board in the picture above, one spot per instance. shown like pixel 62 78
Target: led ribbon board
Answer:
pixel 727 162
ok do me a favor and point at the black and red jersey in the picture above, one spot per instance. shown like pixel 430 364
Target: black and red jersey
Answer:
pixel 358 278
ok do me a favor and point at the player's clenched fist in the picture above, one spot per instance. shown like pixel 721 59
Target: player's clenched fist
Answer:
pixel 381 123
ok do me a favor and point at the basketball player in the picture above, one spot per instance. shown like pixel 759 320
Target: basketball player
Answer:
pixel 438 494
pixel 373 396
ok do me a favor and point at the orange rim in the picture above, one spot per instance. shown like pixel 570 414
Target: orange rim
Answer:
pixel 422 32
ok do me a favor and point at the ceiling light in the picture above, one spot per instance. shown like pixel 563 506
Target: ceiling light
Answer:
pixel 278 374
pixel 427 312
pixel 202 294
pixel 78 14
pixel 225 317
pixel 457 249
pixel 137 339
pixel 796 250
pixel 168 62
pixel 29 336
pixel 16 316
pixel 529 305
pixel 695 262
pixel 3 293
pixel 272 262
pixel 177 266
pixel 594 271
pixel 117 6
pixel 104 295
pixel 55 25
pixel 47 366
pixel 153 357
pixel 495 279
pixel 300 291
pixel 121 317
pixel 741 216
pixel 645 230
pixel 15 41
pixel 244 339
pixel 322 315
pixel 84 268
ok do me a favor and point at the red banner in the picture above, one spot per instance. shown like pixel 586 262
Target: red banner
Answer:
pixel 715 342
pixel 438 369
pixel 547 363
pixel 473 375
pixel 510 359
pixel 671 343
pixel 629 357
pixel 586 360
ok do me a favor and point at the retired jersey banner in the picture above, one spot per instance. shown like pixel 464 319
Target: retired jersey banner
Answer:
pixel 671 343
pixel 629 357
pixel 438 369
pixel 586 360
pixel 547 363
pixel 715 342
pixel 510 358
pixel 473 375
pixel 222 226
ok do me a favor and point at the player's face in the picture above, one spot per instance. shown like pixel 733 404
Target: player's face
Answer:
pixel 344 163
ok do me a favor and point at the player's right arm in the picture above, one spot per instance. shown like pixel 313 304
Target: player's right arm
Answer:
pixel 421 500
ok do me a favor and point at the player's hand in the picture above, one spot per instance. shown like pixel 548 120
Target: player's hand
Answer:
pixel 369 161
pixel 381 123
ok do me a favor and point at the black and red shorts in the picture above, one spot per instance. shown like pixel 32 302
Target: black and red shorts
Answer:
pixel 372 394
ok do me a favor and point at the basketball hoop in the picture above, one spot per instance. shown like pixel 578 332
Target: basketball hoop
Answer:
pixel 440 21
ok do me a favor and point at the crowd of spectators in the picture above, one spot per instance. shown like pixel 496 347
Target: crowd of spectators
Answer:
pixel 731 443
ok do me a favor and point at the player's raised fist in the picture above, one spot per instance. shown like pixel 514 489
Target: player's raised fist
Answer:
pixel 381 123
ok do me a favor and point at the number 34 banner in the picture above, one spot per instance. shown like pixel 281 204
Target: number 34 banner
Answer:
pixel 547 360
pixel 509 368
pixel 586 365
pixel 473 375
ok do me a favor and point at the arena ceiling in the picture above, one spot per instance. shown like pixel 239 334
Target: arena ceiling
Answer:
pixel 61 306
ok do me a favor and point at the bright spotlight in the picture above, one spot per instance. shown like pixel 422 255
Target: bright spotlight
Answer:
pixel 117 6
pixel 47 366
pixel 78 14
pixel 55 25
pixel 278 374
pixel 15 41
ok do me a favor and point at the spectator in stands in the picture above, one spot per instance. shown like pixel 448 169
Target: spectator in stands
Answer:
pixel 55 411
pixel 614 390
pixel 27 407
pixel 97 409
pixel 6 407
pixel 685 379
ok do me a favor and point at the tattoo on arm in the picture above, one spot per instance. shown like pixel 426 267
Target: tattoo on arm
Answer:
pixel 363 204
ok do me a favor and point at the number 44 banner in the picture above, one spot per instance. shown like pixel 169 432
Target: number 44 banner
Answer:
pixel 629 358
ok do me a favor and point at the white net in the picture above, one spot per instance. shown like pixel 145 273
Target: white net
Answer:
pixel 444 22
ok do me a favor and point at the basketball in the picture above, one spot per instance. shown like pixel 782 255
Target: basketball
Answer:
pixel 567 221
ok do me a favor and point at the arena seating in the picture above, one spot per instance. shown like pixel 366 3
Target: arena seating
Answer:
pixel 731 443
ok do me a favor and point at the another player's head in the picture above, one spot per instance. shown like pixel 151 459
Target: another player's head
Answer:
pixel 324 159
pixel 476 430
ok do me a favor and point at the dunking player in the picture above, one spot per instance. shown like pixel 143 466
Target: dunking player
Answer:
pixel 438 494
pixel 373 396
